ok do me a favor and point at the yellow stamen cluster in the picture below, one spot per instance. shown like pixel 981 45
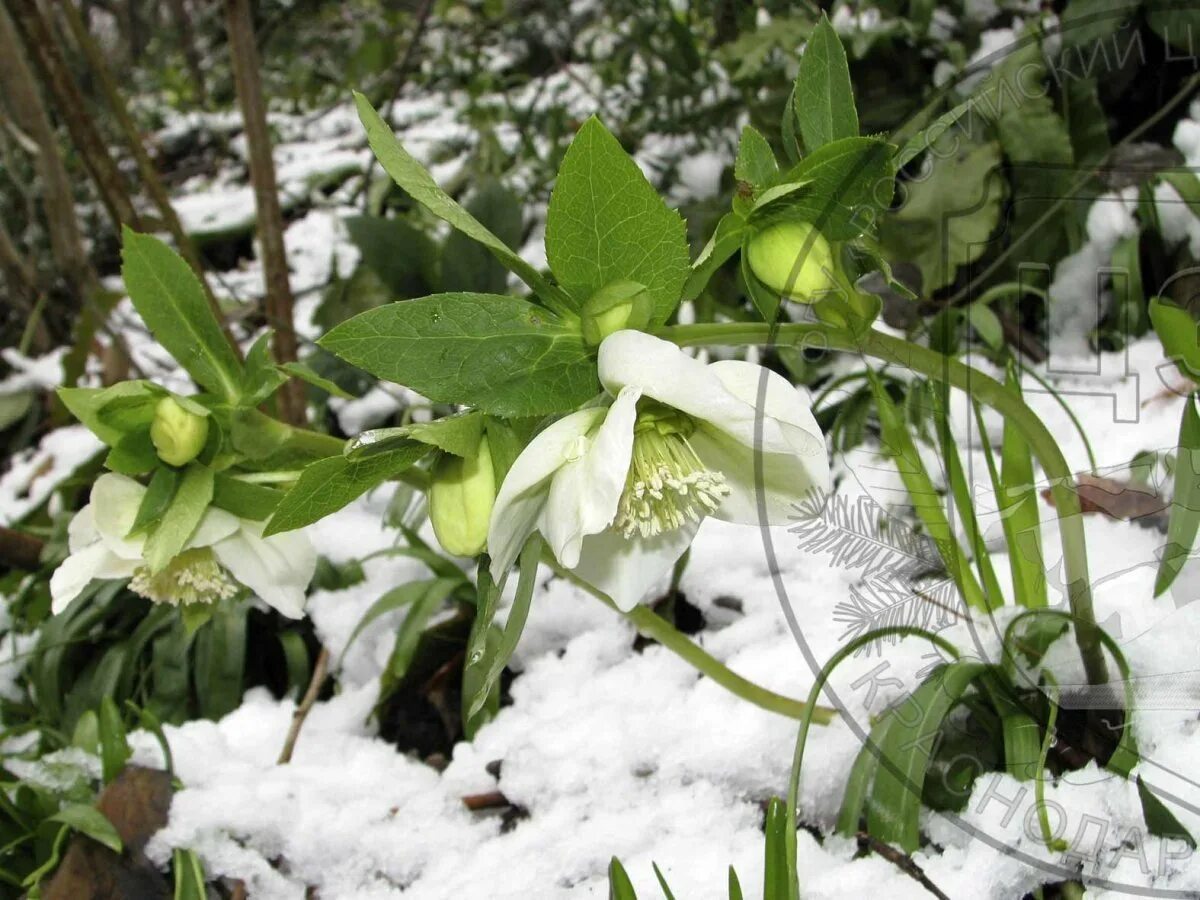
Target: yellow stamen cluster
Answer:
pixel 667 483
pixel 193 576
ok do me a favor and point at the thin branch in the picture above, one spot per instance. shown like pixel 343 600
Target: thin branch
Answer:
pixel 320 673
pixel 133 139
pixel 903 863
pixel 43 49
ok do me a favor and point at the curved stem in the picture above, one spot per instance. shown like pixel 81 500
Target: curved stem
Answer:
pixel 979 386
pixel 654 626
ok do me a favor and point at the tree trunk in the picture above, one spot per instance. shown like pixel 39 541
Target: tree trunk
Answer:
pixel 47 57
pixel 25 105
pixel 266 198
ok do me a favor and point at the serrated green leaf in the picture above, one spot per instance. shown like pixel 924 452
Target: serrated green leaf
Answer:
pixel 725 241
pixel 90 821
pixel 1185 504
pixel 500 354
pixel 412 176
pixel 170 300
pixel 824 96
pixel 606 223
pixel 755 164
pixel 179 522
pixel 846 187
pixel 327 485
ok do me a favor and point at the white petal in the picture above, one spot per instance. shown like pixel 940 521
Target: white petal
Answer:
pixel 585 493
pixel 81 532
pixel 664 372
pixel 782 403
pixel 276 568
pixel 77 571
pixel 526 486
pixel 787 478
pixel 115 502
pixel 215 525
pixel 626 568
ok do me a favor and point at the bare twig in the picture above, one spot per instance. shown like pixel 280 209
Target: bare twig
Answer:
pixel 244 53
pixel 903 863
pixel 320 673
pixel 486 800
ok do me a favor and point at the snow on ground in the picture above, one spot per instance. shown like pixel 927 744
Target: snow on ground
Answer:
pixel 616 751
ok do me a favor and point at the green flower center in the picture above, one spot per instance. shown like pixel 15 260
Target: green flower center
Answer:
pixel 194 576
pixel 667 483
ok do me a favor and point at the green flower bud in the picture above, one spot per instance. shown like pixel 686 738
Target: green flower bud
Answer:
pixel 794 260
pixel 461 499
pixel 178 434
pixel 622 304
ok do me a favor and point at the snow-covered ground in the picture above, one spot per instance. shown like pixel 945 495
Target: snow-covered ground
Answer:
pixel 615 750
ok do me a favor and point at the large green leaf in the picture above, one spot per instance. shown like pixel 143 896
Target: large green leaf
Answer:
pixel 500 354
pixel 606 223
pixel 1178 331
pixel 327 485
pixel 946 218
pixel 824 96
pixel 413 177
pixel 170 300
pixel 1185 505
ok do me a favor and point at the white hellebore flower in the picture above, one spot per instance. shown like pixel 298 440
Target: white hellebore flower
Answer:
pixel 618 492
pixel 224 551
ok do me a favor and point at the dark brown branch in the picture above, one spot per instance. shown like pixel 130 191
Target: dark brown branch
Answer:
pixel 133 140
pixel 20 550
pixel 902 862
pixel 43 50
pixel 28 111
pixel 244 53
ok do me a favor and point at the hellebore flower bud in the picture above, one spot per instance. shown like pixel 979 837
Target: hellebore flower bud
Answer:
pixel 461 499
pixel 616 307
pixel 178 435
pixel 793 259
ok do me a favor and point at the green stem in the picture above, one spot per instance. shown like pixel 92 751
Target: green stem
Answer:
pixel 986 390
pixel 656 627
